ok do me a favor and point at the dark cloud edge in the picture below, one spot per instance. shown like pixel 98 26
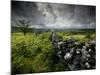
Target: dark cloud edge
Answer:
pixel 53 3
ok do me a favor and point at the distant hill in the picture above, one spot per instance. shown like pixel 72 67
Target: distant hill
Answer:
pixel 18 29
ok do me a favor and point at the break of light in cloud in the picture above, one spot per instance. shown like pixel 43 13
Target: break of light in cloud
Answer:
pixel 53 15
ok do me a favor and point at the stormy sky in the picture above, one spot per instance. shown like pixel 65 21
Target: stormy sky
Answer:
pixel 54 15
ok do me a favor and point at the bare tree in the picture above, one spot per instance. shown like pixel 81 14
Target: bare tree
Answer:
pixel 24 25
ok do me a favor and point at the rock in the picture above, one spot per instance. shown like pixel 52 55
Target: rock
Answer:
pixel 75 54
pixel 75 62
pixel 67 56
pixel 84 47
pixel 86 44
pixel 88 55
pixel 93 42
pixel 87 65
pixel 60 43
pixel 59 52
pixel 90 50
pixel 78 51
pixel 77 43
pixel 72 50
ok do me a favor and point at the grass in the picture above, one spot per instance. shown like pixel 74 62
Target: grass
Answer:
pixel 34 52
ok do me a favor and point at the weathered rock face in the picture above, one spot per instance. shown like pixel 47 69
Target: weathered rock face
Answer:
pixel 76 56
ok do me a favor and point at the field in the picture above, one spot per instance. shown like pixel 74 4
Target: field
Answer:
pixel 34 52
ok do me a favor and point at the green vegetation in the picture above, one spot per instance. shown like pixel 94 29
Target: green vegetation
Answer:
pixel 33 52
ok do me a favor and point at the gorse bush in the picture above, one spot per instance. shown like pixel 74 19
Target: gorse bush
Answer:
pixel 31 51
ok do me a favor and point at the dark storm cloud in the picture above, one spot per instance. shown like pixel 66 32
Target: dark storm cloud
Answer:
pixel 52 15
pixel 28 11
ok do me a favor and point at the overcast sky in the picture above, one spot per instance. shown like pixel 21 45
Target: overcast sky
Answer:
pixel 53 15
